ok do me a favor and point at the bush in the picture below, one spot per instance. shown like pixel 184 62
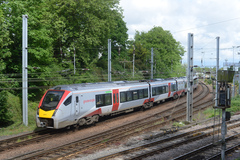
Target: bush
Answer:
pixel 5 113
pixel 235 105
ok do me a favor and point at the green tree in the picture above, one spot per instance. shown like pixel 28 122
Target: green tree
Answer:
pixel 167 51
pixel 84 26
pixel 40 51
pixel 4 41
pixel 119 42
pixel 57 29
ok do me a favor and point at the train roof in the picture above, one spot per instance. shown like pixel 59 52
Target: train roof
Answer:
pixel 113 84
pixel 99 85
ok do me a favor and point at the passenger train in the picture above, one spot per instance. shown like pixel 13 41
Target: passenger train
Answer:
pixel 83 104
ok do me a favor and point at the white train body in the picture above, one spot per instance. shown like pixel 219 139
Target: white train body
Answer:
pixel 82 104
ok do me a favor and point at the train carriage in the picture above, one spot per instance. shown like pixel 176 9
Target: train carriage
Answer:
pixel 82 104
pixel 195 82
pixel 181 86
pixel 161 90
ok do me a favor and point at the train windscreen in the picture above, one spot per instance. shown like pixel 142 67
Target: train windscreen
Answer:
pixel 51 100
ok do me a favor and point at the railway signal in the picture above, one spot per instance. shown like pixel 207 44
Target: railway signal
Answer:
pixel 223 101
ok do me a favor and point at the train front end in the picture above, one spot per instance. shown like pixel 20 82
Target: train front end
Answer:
pixel 48 112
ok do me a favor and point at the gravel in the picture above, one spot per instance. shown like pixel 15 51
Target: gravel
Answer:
pixel 142 139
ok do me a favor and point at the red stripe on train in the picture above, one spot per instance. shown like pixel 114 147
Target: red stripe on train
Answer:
pixel 98 111
pixel 147 100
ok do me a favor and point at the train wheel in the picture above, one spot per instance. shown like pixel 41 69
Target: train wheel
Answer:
pixel 144 107
pixel 183 93
pixel 175 96
pixel 82 121
pixel 151 104
pixel 95 118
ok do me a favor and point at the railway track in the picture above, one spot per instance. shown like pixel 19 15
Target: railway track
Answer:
pixel 105 138
pixel 34 137
pixel 212 151
pixel 165 144
pixel 25 139
pixel 37 136
pixel 30 138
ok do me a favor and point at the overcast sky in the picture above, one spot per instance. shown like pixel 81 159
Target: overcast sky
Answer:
pixel 206 19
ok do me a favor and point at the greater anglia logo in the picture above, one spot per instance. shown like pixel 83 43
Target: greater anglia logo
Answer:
pixel 87 101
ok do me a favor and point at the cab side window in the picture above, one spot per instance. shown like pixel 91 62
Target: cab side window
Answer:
pixel 68 101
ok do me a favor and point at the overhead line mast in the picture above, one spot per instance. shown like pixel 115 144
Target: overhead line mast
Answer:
pixel 190 79
pixel 25 69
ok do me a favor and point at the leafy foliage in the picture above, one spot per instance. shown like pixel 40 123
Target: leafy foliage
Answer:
pixel 167 51
pixel 61 31
pixel 5 114
pixel 235 103
pixel 57 30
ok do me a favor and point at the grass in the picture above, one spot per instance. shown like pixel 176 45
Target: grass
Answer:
pixel 16 129
pixel 178 124
pixel 235 107
pixel 17 126
pixel 105 140
pixel 211 112
pixel 28 137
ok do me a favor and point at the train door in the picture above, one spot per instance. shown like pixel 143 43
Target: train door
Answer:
pixel 76 105
pixel 115 99
pixel 169 89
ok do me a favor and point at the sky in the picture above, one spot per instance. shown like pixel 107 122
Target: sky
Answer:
pixel 206 19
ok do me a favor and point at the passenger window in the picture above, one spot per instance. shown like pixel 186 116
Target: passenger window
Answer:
pixel 145 93
pixel 160 90
pixel 99 100
pixel 166 89
pixel 123 97
pixel 135 95
pixel 68 101
pixel 154 91
pixel 173 87
pixel 129 95
pixel 157 91
pixel 108 99
pixel 140 93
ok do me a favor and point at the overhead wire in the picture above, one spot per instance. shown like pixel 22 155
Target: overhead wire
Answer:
pixel 208 25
